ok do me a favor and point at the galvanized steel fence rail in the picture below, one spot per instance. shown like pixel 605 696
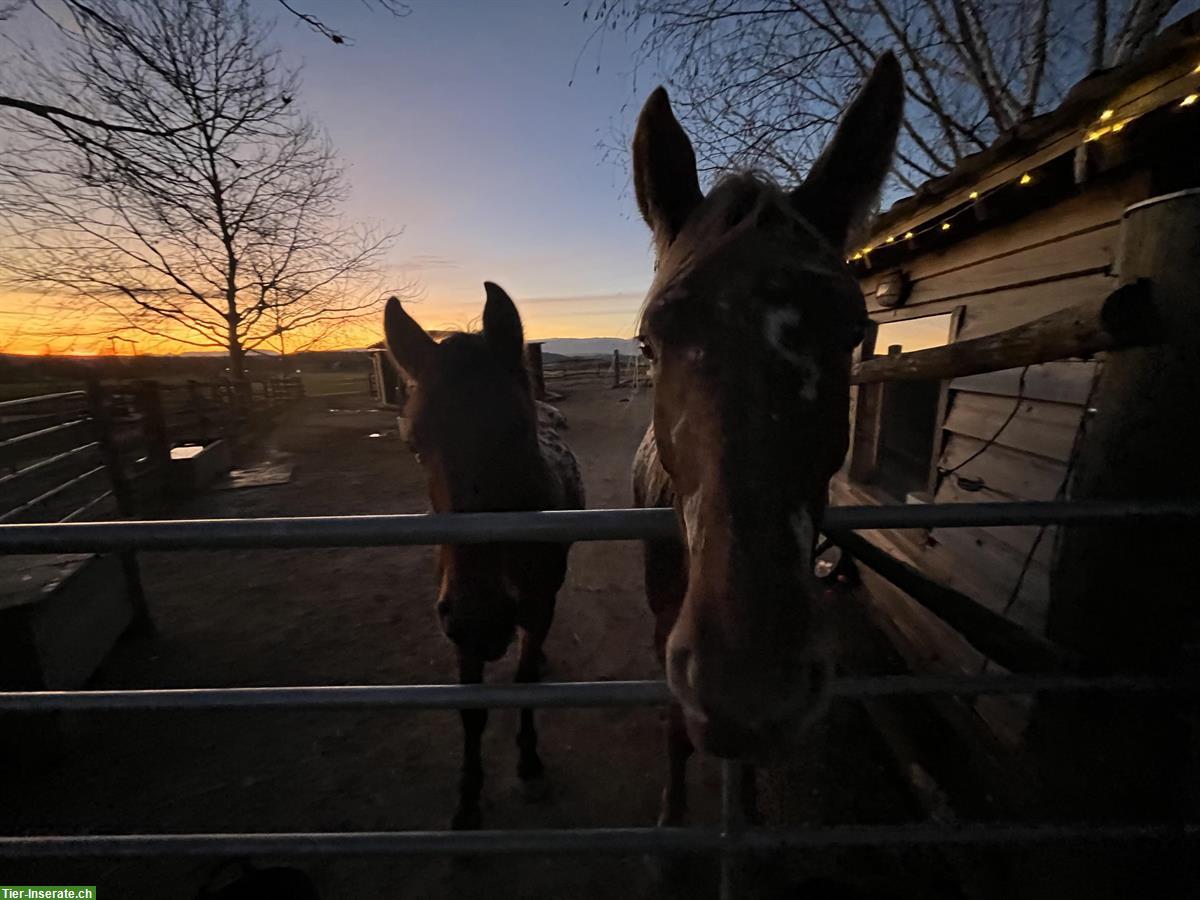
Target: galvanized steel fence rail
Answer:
pixel 729 839
pixel 561 525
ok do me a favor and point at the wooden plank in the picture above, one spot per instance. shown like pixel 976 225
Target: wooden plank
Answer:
pixel 983 628
pixel 928 645
pixel 1018 538
pixel 964 573
pixel 996 311
pixel 1010 474
pixel 993 571
pixel 1099 207
pixel 1040 427
pixel 990 311
pixel 1067 381
pixel 1081 254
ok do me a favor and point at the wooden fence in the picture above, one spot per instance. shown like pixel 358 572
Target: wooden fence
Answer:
pixel 196 412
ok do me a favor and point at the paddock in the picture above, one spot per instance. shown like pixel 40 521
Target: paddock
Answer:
pixel 351 775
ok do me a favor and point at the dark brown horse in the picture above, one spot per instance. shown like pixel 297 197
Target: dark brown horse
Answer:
pixel 475 428
pixel 749 325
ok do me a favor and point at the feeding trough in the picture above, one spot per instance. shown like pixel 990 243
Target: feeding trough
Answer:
pixel 196 466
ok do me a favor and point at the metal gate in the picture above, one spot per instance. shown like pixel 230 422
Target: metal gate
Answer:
pixel 729 839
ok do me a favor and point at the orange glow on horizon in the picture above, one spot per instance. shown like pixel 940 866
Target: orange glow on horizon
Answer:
pixel 29 327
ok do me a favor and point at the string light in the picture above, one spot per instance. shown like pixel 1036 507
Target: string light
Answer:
pixel 1027 178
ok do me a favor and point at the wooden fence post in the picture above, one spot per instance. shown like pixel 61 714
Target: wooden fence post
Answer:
pixel 126 504
pixel 616 368
pixel 533 352
pixel 154 427
pixel 1122 595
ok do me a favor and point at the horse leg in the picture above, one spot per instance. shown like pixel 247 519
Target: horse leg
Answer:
pixel 468 816
pixel 529 671
pixel 679 747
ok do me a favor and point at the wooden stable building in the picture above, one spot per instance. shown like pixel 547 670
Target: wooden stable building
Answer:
pixel 1021 244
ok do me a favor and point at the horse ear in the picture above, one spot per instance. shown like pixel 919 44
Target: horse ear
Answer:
pixel 502 325
pixel 664 169
pixel 410 346
pixel 844 183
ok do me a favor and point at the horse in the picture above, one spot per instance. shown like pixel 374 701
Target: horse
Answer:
pixel 748 326
pixel 477 432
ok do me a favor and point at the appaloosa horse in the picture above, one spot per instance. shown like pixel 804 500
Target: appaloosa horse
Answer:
pixel 476 429
pixel 749 326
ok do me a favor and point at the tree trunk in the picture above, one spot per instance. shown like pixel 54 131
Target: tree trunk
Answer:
pixel 237 358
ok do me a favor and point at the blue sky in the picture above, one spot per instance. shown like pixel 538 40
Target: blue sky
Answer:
pixel 476 127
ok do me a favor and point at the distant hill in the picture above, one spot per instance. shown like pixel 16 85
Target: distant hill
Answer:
pixel 598 346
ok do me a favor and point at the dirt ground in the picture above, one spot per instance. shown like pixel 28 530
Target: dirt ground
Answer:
pixel 356 616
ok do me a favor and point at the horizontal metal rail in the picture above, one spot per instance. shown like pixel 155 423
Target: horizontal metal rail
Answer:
pixel 95 501
pixel 588 840
pixel 552 694
pixel 52 493
pixel 40 433
pixel 47 462
pixel 554 526
pixel 47 398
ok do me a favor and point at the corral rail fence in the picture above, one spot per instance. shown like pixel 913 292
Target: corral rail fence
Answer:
pixel 105 451
pixel 730 838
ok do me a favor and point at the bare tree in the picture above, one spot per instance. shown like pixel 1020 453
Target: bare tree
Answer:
pixel 211 216
pixel 759 82
pixel 70 119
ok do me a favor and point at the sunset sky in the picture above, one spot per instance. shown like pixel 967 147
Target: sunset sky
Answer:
pixel 460 124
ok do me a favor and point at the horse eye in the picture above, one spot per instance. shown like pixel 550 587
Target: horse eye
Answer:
pixel 646 348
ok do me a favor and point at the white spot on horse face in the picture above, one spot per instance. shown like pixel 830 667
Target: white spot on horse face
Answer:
pixel 775 322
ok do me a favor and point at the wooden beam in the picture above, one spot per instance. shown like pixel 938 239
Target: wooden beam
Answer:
pixel 1005 642
pixel 1125 318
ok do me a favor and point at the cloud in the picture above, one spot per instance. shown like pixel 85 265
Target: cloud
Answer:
pixel 424 262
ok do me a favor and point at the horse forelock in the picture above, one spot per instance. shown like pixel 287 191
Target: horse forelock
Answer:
pixel 750 210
